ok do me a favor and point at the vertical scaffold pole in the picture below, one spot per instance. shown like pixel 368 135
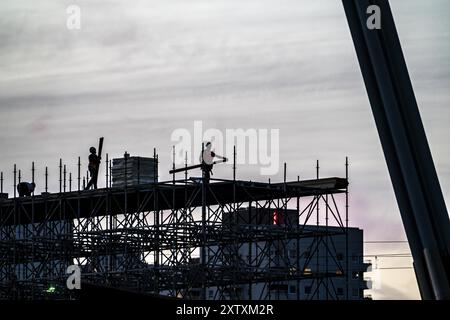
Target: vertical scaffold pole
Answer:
pixel 106 170
pixel 173 164
pixel 15 180
pixel 79 173
pixel 46 179
pixel 203 247
pixel 318 231
pixel 60 175
pixel 32 174
pixel 346 231
pixel 64 178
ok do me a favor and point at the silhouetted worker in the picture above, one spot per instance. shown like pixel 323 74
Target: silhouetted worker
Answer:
pixel 25 189
pixel 207 159
pixel 94 163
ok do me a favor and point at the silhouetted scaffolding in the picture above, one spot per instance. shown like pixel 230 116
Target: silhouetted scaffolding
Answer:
pixel 158 237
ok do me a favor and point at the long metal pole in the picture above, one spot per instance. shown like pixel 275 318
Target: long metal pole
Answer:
pixel 317 271
pixel 347 271
pixel 185 166
pixel 110 173
pixel 46 179
pixel 173 164
pixel 203 259
pixel 64 178
pixel 326 248
pixel 60 175
pixel 405 145
pixel 156 221
pixel 79 173
pixel 234 163
pixel 297 255
pixel 32 175
pixel 106 170
pixel 15 182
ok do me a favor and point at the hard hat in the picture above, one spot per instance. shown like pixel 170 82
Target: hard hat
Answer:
pixel 92 150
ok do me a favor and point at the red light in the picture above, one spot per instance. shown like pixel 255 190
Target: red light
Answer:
pixel 275 217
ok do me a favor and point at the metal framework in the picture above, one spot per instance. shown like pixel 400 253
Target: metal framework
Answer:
pixel 159 238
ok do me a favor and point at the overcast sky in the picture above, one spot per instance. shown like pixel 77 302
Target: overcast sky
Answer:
pixel 138 70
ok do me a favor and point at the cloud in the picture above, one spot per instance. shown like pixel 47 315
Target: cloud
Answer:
pixel 136 72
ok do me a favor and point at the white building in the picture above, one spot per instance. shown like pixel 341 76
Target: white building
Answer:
pixel 317 262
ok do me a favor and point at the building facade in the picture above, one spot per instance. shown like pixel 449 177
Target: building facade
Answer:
pixel 328 261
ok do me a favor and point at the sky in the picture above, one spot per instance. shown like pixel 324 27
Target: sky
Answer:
pixel 136 71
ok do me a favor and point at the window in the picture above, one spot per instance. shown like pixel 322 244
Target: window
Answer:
pixel 307 271
pixel 307 289
pixel 340 291
pixel 211 294
pixel 355 275
pixel 339 256
pixel 292 289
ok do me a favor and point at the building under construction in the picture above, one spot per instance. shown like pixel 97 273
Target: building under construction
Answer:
pixel 176 238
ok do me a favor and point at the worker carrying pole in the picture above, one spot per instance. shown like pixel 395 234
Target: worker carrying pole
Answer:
pixel 207 161
pixel 94 165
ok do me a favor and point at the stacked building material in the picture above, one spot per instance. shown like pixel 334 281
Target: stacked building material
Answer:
pixel 132 171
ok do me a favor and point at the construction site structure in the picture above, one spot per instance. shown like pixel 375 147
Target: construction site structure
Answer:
pixel 176 238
